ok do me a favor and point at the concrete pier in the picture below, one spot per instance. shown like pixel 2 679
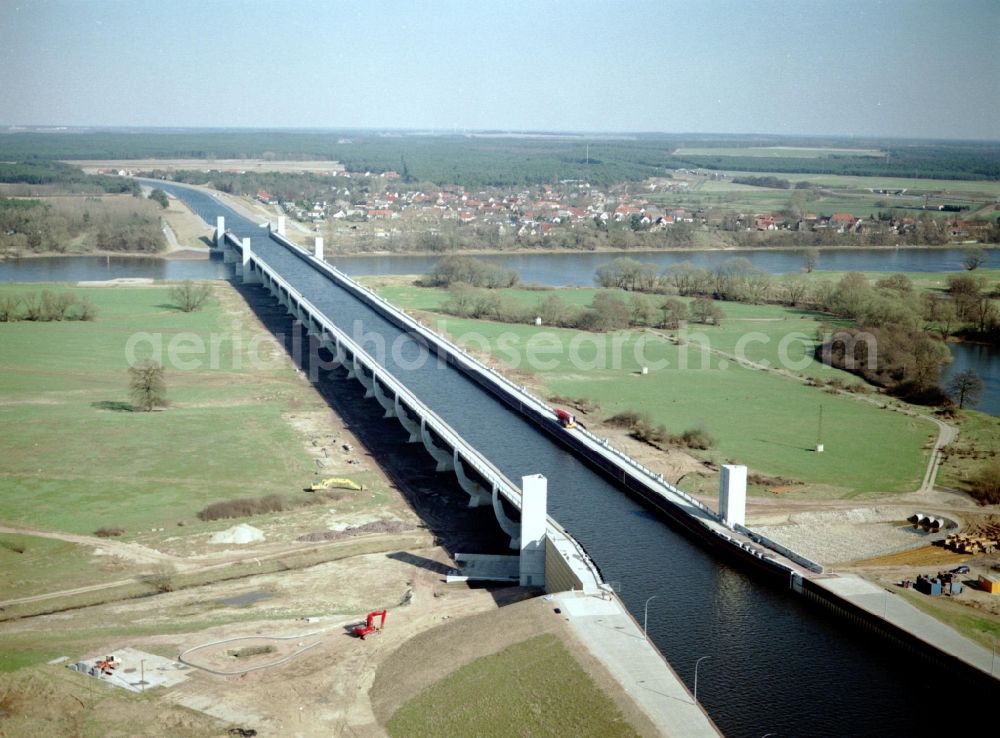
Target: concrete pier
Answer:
pixel 220 232
pixel 247 272
pixel 534 498
pixel 319 248
pixel 733 494
pixel 368 384
pixel 507 525
pixel 411 426
pixel 477 495
pixel 388 405
pixel 442 457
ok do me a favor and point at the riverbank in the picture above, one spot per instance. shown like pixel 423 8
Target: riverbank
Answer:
pixel 179 253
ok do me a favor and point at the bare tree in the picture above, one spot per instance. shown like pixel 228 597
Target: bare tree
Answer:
pixel 975 257
pixel 674 312
pixel 189 296
pixel 966 387
pixel 810 259
pixel 147 387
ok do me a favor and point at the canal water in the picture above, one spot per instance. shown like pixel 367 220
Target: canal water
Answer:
pixel 776 663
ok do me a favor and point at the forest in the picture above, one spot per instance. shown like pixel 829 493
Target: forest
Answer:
pixel 482 160
pixel 74 225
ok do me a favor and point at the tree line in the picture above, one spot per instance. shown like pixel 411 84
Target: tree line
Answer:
pixel 68 177
pixel 45 307
pixel 473 292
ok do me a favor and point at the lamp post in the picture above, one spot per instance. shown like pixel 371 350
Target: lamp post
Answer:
pixel 696 665
pixel 645 616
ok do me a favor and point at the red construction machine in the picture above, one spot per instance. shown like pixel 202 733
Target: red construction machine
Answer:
pixel 566 420
pixel 374 624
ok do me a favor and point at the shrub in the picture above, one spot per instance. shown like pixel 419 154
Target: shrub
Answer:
pixel 640 427
pixel 454 269
pixel 49 306
pixel 109 532
pixel 582 404
pixel 243 507
pixel 189 296
pixel 161 579
pixel 625 419
pixel 645 431
pixel 610 312
pixel 704 310
pixel 10 307
pixel 695 438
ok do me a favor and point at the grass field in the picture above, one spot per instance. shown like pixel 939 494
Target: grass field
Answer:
pixel 966 187
pixel 533 688
pixel 839 193
pixel 75 458
pixel 762 419
pixel 984 628
pixel 977 444
pixel 77 461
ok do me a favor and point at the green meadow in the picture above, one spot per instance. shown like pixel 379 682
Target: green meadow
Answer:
pixel 75 458
pixel 764 419
pixel 544 692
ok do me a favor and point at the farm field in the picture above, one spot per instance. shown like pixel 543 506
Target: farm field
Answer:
pixel 805 152
pixel 765 420
pixel 839 193
pixel 92 166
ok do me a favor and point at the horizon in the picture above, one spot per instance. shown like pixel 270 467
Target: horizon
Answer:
pixel 855 69
pixel 400 132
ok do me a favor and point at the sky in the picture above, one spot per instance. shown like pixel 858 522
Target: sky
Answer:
pixel 893 68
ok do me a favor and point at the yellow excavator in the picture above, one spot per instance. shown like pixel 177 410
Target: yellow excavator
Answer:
pixel 334 483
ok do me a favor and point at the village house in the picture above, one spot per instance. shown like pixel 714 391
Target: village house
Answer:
pixel 842 221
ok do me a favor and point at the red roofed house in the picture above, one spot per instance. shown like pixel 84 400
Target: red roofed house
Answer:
pixel 842 221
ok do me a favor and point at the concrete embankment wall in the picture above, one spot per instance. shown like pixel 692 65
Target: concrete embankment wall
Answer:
pixel 559 575
pixel 885 630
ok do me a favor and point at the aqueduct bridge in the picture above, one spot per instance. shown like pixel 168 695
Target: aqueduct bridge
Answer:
pixel 777 663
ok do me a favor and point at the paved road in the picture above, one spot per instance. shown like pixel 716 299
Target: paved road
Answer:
pixel 616 640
